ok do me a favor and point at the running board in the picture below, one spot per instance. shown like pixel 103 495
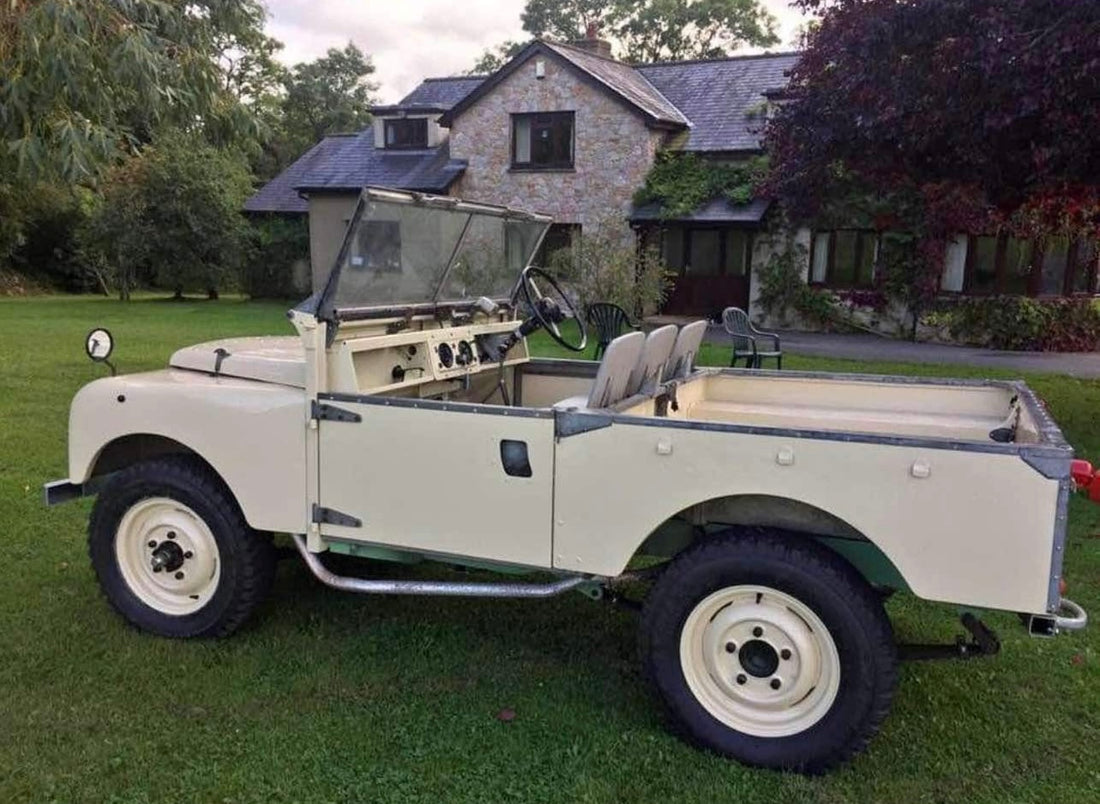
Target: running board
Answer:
pixel 438 588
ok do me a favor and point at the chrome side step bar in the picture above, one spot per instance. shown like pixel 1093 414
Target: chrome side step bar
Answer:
pixel 369 587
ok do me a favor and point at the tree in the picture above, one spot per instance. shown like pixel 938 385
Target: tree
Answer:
pixel 571 19
pixel 492 59
pixel 992 93
pixel 171 215
pixel 933 117
pixel 328 96
pixel 82 82
pixel 657 30
pixel 670 30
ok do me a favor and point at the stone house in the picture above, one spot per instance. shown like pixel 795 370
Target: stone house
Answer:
pixel 566 130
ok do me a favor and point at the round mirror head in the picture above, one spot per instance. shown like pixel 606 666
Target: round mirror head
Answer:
pixel 99 344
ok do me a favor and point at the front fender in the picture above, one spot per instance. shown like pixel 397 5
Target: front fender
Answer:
pixel 253 434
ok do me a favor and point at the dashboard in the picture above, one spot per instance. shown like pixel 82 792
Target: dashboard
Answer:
pixel 427 361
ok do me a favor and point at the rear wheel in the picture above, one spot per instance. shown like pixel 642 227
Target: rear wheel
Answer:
pixel 173 553
pixel 770 649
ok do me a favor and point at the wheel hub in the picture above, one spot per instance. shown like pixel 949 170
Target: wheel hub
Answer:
pixel 759 658
pixel 167 557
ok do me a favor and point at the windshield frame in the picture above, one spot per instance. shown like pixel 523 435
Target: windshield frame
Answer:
pixel 322 305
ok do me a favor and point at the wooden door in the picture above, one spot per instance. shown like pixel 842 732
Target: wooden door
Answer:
pixel 712 269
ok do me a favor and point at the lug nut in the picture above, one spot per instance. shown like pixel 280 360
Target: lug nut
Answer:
pixel 189 554
pixel 741 678
pixel 776 683
pixel 179 576
pixel 756 632
pixel 784 654
pixel 731 647
pixel 152 544
pixel 171 534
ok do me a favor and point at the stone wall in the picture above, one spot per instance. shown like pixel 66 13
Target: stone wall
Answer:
pixel 613 148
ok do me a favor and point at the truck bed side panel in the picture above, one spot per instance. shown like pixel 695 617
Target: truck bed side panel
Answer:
pixel 977 530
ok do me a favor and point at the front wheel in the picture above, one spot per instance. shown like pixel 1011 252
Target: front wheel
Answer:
pixel 770 649
pixel 173 553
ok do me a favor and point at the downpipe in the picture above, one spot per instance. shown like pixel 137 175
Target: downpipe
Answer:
pixel 436 588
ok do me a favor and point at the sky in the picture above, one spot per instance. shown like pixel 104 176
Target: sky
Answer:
pixel 410 40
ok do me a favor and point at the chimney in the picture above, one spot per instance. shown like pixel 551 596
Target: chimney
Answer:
pixel 592 42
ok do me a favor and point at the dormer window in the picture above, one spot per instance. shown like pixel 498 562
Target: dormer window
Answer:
pixel 542 141
pixel 409 132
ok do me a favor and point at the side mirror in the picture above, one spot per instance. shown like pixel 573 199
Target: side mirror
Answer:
pixel 98 345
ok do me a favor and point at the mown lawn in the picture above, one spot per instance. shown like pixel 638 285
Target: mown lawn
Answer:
pixel 334 698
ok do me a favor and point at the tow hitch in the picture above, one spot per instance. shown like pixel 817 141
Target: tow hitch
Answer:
pixel 983 643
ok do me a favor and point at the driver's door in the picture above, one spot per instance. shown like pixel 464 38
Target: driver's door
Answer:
pixel 438 477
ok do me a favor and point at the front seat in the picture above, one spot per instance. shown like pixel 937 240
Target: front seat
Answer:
pixel 651 365
pixel 609 387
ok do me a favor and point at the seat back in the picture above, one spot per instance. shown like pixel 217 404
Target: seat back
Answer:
pixel 682 359
pixel 608 320
pixel 651 364
pixel 618 361
pixel 736 323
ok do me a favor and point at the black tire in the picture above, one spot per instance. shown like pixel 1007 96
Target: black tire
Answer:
pixel 247 558
pixel 820 580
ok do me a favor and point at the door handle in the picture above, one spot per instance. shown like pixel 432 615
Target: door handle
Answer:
pixel 514 459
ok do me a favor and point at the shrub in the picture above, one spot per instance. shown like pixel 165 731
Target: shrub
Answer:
pixel 603 266
pixel 277 244
pixel 1019 323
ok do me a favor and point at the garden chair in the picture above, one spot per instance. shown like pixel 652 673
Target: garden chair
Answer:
pixel 745 336
pixel 608 320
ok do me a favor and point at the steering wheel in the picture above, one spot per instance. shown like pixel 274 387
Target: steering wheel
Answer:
pixel 549 311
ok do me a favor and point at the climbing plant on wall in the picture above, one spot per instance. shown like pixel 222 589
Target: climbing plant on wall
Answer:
pixel 681 182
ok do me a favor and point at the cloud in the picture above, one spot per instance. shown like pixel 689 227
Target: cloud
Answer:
pixel 410 40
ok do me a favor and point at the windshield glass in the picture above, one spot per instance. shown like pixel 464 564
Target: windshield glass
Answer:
pixel 402 251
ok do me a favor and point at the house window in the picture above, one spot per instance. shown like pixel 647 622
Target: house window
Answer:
pixel 559 238
pixel 1054 266
pixel 706 252
pixel 542 141
pixel 1083 264
pixel 410 132
pixel 844 258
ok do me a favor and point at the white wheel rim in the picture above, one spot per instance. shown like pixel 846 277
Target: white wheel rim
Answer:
pixel 159 531
pixel 733 685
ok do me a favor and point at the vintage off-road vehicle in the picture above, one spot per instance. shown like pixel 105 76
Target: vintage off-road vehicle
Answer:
pixel 766 515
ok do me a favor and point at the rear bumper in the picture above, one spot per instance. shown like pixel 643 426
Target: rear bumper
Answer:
pixel 1069 616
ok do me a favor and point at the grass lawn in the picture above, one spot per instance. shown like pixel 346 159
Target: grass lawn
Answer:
pixel 328 697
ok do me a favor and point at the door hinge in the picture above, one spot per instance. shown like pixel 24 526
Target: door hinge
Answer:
pixel 330 516
pixel 319 410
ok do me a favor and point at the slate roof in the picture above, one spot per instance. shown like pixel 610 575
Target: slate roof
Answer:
pixel 717 210
pixel 621 79
pixel 350 162
pixel 436 94
pixel 713 104
pixel 625 80
pixel 715 95
pixel 442 93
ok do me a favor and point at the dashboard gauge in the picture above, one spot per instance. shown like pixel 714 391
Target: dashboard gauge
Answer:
pixel 446 355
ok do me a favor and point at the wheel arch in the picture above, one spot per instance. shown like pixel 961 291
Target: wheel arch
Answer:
pixel 704 520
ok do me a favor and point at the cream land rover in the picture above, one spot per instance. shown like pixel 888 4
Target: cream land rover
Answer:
pixel 765 515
